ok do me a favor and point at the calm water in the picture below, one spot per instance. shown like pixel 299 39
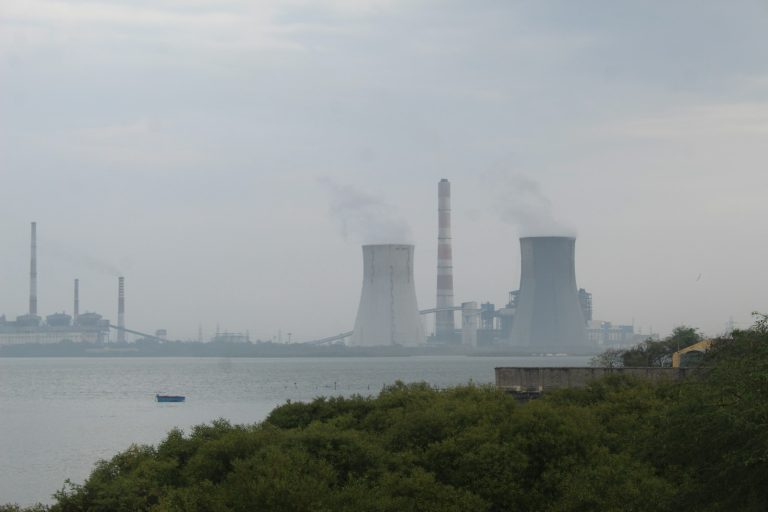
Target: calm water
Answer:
pixel 59 416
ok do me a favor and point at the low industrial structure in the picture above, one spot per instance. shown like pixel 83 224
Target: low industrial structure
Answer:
pixel 89 327
pixel 609 335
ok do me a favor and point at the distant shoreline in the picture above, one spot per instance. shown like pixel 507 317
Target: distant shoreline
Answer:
pixel 255 350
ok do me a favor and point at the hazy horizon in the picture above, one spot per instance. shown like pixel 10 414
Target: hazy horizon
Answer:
pixel 229 158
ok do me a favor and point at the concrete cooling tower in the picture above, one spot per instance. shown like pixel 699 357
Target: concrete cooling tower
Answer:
pixel 548 316
pixel 388 313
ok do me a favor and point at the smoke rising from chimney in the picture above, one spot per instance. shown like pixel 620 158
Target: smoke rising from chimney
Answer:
pixel 521 203
pixel 365 218
pixel 61 252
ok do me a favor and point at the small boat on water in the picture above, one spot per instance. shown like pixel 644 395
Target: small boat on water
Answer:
pixel 170 398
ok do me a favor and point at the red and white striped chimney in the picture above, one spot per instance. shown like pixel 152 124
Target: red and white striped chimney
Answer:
pixel 444 320
pixel 121 309
pixel 33 273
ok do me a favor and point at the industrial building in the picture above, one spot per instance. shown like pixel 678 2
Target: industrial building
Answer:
pixel 88 327
pixel 54 328
pixel 230 337
pixel 607 335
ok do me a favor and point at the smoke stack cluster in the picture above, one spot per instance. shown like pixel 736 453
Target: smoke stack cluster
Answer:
pixel 33 273
pixel 548 314
pixel 388 313
pixel 121 309
pixel 444 320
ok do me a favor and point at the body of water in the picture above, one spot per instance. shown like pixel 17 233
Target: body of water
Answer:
pixel 58 416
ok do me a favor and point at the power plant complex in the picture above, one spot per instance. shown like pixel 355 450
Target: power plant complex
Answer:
pixel 87 327
pixel 547 314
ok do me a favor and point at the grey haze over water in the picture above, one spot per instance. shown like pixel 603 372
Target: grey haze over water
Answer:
pixel 185 143
pixel 59 416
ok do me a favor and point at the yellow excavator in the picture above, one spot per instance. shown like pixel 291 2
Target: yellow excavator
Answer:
pixel 700 348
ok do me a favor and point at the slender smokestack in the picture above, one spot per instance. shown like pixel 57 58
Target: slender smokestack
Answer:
pixel 120 309
pixel 33 273
pixel 77 300
pixel 444 320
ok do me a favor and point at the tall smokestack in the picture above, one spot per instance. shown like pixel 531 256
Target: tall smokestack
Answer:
pixel 444 320
pixel 77 300
pixel 33 273
pixel 388 312
pixel 121 309
pixel 548 315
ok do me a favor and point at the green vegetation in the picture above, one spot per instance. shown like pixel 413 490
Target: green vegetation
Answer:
pixel 618 445
pixel 649 353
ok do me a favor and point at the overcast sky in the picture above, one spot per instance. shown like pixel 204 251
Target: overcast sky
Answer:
pixel 230 156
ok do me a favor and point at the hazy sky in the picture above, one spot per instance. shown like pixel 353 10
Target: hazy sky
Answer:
pixel 229 156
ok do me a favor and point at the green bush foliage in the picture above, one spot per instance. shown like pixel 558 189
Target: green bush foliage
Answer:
pixel 617 445
pixel 649 353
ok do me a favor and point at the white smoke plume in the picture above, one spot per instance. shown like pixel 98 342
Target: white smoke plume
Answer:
pixel 62 252
pixel 365 218
pixel 521 203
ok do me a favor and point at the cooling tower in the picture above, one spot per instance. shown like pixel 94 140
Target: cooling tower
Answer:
pixel 548 315
pixel 388 313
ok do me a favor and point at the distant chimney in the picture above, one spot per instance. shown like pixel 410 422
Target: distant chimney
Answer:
pixel 444 320
pixel 77 300
pixel 33 273
pixel 121 309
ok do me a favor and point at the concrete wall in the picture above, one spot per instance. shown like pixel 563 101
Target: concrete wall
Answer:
pixel 544 379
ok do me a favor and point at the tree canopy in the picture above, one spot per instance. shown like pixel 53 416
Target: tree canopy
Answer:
pixel 616 445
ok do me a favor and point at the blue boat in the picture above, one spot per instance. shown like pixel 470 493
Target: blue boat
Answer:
pixel 170 398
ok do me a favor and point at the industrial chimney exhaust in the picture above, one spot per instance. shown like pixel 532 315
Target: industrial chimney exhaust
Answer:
pixel 388 313
pixel 121 309
pixel 548 316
